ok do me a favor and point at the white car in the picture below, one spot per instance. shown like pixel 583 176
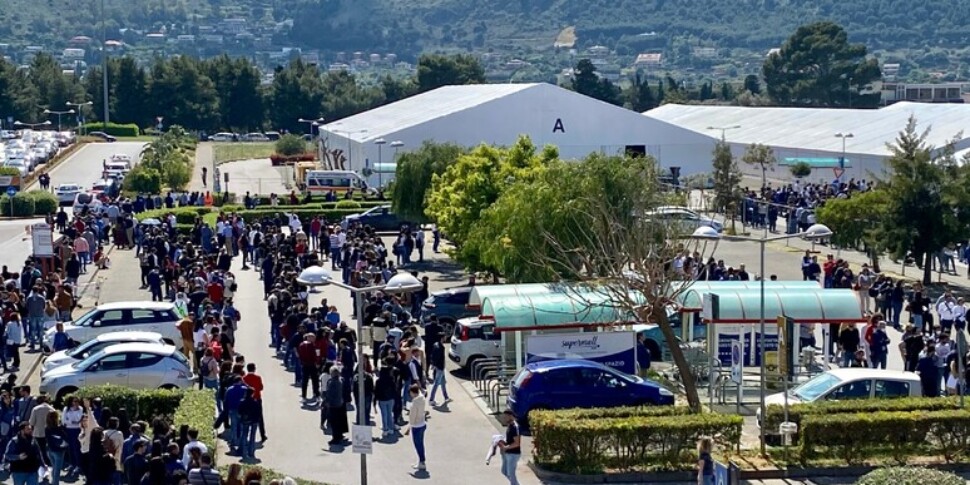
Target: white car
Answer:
pixel 19 164
pixel 474 339
pixel 121 157
pixel 221 137
pixel 145 316
pixel 66 193
pixel 135 365
pixel 85 202
pixel 95 345
pixel 686 218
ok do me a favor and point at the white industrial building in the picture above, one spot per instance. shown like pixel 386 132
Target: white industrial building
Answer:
pixel 498 114
pixel 810 134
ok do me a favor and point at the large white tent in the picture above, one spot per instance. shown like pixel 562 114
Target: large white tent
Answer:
pixel 499 114
pixel 809 134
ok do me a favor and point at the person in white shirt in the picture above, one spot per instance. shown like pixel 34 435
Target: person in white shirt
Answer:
pixel 945 309
pixel 193 443
pixel 417 424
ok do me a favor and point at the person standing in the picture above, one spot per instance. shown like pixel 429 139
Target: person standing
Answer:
pixel 57 445
pixel 309 356
pixel 511 447
pixel 910 347
pixel 337 407
pixel 848 339
pixel 255 382
pixel 205 175
pixel 879 346
pixel 438 364
pixel 929 374
pixel 417 425
pixel 71 419
pixel 38 421
pixel 384 392
pixel 24 456
pixel 643 356
pixel 705 463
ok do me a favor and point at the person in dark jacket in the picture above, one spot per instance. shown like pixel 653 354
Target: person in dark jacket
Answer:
pixel 879 347
pixel 249 414
pixel 929 372
pixel 643 356
pixel 384 393
pixel 24 455
pixel 337 406
pixel 136 465
pixel 848 342
pixel 437 359
pixel 911 346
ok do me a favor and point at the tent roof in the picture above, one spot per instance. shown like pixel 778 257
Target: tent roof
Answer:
pixel 524 312
pixel 803 305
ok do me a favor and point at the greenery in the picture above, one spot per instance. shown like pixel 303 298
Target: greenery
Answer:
pixel 183 215
pixel 171 155
pixel 290 144
pixel 44 202
pixel 436 70
pixel 855 220
pixel 347 204
pixel 600 413
pixel 23 205
pixel 597 443
pixel 727 180
pixel 10 171
pixel 143 180
pixel 587 81
pixel 267 474
pixel 910 475
pixel 144 404
pixel 305 214
pixel 114 129
pixel 817 66
pixel 800 169
pixel 198 410
pixel 796 412
pixel 229 152
pixel 414 172
pixel 762 157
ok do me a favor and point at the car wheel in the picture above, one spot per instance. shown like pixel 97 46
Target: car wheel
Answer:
pixel 470 362
pixel 447 326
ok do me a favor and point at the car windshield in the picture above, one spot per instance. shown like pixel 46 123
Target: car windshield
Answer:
pixel 84 364
pixel 81 349
pixel 815 387
pixel 85 319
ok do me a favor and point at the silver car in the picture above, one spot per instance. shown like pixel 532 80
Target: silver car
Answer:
pixel 95 345
pixel 684 219
pixel 134 365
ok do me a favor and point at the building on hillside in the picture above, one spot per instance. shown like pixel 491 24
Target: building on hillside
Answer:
pixel 922 93
pixel 809 134
pixel 648 59
pixel 499 114
pixel 889 71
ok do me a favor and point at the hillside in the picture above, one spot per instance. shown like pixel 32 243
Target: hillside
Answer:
pixel 410 26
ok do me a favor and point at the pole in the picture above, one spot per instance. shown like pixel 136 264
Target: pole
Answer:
pixel 361 408
pixel 380 177
pixel 104 62
pixel 761 348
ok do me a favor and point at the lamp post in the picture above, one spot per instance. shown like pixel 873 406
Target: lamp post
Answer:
pixel 399 283
pixel 312 123
pixel 80 114
pixel 58 113
pixel 723 130
pixel 32 125
pixel 104 62
pixel 380 142
pixel 817 231
pixel 843 136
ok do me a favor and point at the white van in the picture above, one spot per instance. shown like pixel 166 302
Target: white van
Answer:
pixel 338 181
pixel 116 169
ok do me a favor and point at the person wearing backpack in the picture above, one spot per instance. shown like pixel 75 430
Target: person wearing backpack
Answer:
pixel 209 370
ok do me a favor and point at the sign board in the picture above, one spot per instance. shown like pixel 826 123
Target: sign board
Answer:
pixel 11 191
pixel 614 349
pixel 42 239
pixel 838 172
pixel 749 335
pixel 737 361
pixel 363 439
pixel 721 475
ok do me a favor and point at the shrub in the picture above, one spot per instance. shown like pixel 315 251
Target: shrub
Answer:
pixel 620 412
pixel 9 172
pixel 142 179
pixel 289 145
pixel 571 445
pixel 183 215
pixel 23 205
pixel 145 404
pixel 44 202
pixel 775 414
pixel 800 169
pixel 114 129
pixel 910 476
pixel 347 204
pixel 198 410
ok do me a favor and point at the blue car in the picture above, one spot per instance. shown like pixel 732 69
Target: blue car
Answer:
pixel 563 384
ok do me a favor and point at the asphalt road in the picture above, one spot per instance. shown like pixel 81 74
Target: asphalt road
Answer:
pixel 85 165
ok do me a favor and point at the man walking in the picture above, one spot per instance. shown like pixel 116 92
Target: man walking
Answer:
pixel 24 456
pixel 438 364
pixel 309 356
pixel 510 447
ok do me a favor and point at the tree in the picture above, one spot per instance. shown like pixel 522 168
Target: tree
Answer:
pixel 800 169
pixel 727 180
pixel 580 226
pixel 587 81
pixel 857 220
pixel 928 204
pixel 436 70
pixel 761 156
pixel 297 92
pixel 817 66
pixel 130 101
pixel 290 144
pixel 413 175
pixel 752 84
pixel 639 96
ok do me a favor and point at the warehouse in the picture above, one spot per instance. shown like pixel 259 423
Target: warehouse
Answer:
pixel 499 114
pixel 818 136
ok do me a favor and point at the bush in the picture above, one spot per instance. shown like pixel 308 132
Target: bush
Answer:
pixel 347 204
pixel 910 476
pixel 183 215
pixel 44 202
pixel 566 444
pixel 620 412
pixel 198 410
pixel 289 145
pixel 145 404
pixel 9 172
pixel 114 129
pixel 142 179
pixel 23 205
pixel 800 169
pixel 775 414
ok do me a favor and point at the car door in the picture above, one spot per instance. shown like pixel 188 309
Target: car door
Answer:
pixel 492 341
pixel 107 321
pixel 886 389
pixel 605 388
pixel 561 388
pixel 111 369
pixel 860 389
pixel 145 370
pixel 143 320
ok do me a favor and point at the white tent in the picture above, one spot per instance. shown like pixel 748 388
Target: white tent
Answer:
pixel 499 114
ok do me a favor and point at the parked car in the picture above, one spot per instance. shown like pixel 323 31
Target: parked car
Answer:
pixel 103 136
pixel 563 384
pixel 473 339
pixel 66 193
pixel 273 135
pixel 686 219
pixel 254 137
pixel 126 315
pixel 449 306
pixel 133 365
pixel 222 137
pixel 381 218
pixel 95 345
pixel 85 203
pixel 850 383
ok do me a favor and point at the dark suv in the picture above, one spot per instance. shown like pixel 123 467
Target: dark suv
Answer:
pixel 449 306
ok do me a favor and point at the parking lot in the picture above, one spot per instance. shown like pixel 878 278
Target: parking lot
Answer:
pixel 29 151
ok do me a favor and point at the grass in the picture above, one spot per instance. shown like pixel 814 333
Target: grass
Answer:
pixel 268 474
pixel 227 152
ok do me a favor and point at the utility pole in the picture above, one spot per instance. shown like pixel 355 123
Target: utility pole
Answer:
pixel 104 61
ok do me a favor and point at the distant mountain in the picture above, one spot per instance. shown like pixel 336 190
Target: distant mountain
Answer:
pixel 408 27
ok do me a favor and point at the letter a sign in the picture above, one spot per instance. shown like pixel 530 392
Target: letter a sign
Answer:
pixel 558 126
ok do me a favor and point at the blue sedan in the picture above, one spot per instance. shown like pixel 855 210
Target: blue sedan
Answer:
pixel 563 384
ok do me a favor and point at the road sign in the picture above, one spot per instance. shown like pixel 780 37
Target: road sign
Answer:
pixel 41 237
pixel 362 438
pixel 838 172
pixel 720 473
pixel 737 361
pixel 11 191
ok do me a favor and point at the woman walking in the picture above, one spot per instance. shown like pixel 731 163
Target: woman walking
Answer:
pixel 417 424
pixel 705 463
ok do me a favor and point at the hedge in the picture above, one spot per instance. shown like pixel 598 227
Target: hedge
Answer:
pixel 145 404
pixel 44 202
pixel 775 414
pixel 23 205
pixel 183 215
pixel 278 159
pixel 114 129
pixel 901 435
pixel 198 410
pixel 598 413
pixel 910 476
pixel 569 445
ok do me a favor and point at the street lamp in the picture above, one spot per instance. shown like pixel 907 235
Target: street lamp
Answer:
pixel 312 123
pixel 32 125
pixel 399 283
pixel 816 231
pixel 80 114
pixel 723 129
pixel 380 142
pixel 843 136
pixel 58 113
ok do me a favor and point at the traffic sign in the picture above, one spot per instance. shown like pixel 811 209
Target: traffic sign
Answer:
pixel 11 191
pixel 737 360
pixel 838 172
pixel 721 475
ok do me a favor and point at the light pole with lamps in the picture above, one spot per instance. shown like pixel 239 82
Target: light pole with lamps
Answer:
pixel 58 113
pixel 723 130
pixel 395 145
pixel 399 283
pixel 79 113
pixel 312 123
pixel 843 136
pixel 32 126
pixel 817 231
pixel 380 142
